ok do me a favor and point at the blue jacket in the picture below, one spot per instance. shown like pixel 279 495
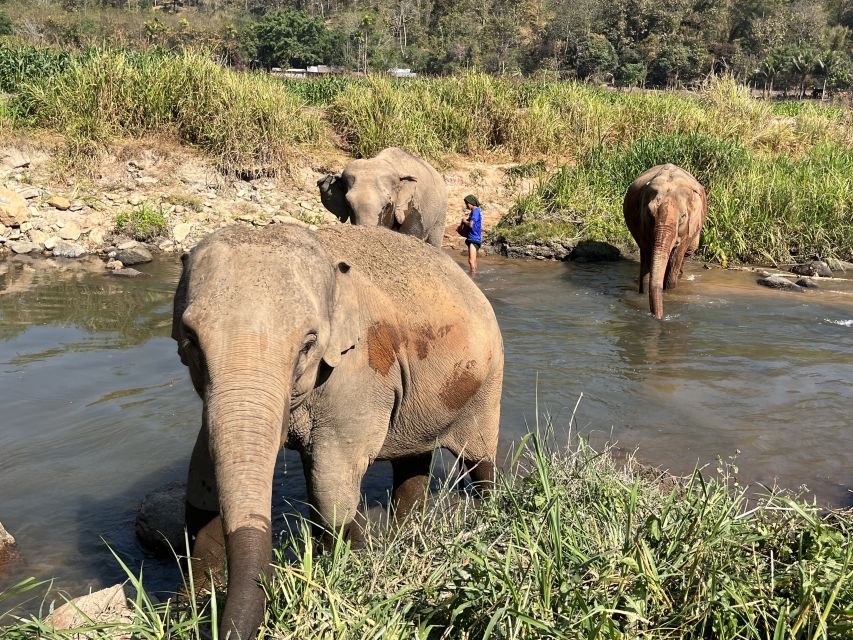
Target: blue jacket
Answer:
pixel 476 222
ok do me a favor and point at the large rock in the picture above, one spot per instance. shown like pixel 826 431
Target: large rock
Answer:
pixel 136 254
pixel 127 273
pixel 13 208
pixel 8 545
pixel 778 282
pixel 160 520
pixel 58 202
pixel 595 251
pixel 23 246
pixel 65 249
pixel 813 268
pixel 97 237
pixel 181 231
pixel 70 231
pixel 107 606
pixel 39 237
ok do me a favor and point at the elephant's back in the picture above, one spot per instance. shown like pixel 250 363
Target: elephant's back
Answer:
pixel 409 271
pixel 660 176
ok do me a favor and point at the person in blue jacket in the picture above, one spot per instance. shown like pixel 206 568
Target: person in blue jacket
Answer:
pixel 474 222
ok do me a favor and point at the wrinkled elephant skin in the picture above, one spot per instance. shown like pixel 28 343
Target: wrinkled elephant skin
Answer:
pixel 349 345
pixel 665 209
pixel 395 189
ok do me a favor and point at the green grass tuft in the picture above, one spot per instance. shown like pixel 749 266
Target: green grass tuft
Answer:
pixel 143 223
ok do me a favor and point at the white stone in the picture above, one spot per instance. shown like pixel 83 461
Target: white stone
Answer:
pixel 181 231
pixel 38 237
pixel 50 243
pixel 69 231
pixel 23 246
pixel 108 606
pixel 68 250
pixel 97 236
pixel 135 199
pixel 114 264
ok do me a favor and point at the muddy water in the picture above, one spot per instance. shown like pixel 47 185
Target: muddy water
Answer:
pixel 96 409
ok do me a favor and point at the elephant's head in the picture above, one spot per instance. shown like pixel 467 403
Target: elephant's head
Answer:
pixel 261 318
pixel 678 216
pixel 333 195
pixel 370 193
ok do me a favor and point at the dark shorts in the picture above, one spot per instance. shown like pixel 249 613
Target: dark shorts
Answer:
pixel 476 244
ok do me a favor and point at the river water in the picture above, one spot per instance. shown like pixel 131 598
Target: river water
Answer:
pixel 96 409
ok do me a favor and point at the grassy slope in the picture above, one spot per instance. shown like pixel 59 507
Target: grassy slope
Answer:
pixel 780 177
pixel 571 545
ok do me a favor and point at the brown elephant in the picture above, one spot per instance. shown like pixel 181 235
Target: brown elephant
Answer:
pixel 349 345
pixel 665 209
pixel 395 189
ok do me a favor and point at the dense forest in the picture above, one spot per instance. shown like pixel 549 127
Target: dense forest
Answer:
pixel 787 45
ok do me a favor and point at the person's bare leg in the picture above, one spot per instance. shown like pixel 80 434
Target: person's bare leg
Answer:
pixel 472 257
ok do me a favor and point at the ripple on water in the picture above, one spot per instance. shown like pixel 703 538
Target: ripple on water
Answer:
pixel 842 323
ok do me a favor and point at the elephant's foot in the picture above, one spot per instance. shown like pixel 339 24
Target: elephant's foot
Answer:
pixel 353 532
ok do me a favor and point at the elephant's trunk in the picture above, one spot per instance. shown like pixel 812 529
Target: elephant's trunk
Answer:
pixel 247 404
pixel 664 237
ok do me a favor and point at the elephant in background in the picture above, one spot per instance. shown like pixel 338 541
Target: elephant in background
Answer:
pixel 665 209
pixel 395 189
pixel 349 345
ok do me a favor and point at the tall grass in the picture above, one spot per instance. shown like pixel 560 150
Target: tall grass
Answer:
pixel 761 206
pixel 19 63
pixel 244 121
pixel 572 544
pixel 476 114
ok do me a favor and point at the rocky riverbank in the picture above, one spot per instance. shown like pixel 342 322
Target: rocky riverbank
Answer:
pixel 166 197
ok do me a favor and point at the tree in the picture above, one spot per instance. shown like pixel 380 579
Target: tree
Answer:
pixel 291 38
pixel 596 57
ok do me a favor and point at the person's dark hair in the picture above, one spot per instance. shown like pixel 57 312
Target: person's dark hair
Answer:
pixel 472 199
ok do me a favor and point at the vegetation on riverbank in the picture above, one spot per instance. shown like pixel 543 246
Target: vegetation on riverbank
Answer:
pixel 246 122
pixel 571 545
pixel 762 207
pixel 779 175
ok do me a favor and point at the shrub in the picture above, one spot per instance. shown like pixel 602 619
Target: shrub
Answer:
pixel 143 223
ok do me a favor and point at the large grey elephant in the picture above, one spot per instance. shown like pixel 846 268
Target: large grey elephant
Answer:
pixel 349 345
pixel 665 209
pixel 395 189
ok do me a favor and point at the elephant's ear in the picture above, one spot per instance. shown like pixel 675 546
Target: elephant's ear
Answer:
pixel 180 304
pixel 345 328
pixel 407 198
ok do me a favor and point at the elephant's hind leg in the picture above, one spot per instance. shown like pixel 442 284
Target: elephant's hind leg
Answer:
pixel 411 478
pixel 482 475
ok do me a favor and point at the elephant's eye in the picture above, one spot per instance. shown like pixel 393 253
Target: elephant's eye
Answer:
pixel 190 339
pixel 309 343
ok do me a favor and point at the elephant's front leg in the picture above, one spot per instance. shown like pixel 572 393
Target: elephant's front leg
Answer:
pixel 645 269
pixel 204 526
pixel 673 272
pixel 334 489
